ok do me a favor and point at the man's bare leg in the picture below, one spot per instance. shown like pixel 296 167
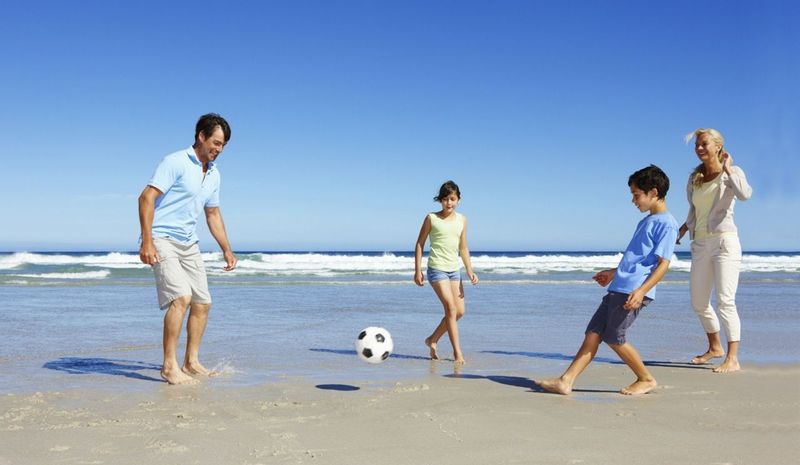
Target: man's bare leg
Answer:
pixel 195 328
pixel 173 322
pixel 563 384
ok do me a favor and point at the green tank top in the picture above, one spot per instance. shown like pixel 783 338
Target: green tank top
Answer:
pixel 445 237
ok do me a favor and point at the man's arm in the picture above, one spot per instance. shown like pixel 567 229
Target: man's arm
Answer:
pixel 636 297
pixel 217 228
pixel 147 207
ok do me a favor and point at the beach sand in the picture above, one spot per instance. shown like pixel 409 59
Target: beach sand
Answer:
pixel 694 417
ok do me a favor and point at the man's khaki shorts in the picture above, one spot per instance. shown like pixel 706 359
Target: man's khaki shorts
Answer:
pixel 180 272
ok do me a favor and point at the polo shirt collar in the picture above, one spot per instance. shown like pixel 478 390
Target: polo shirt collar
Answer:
pixel 196 161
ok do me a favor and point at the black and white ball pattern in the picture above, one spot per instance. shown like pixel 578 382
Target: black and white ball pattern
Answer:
pixel 374 344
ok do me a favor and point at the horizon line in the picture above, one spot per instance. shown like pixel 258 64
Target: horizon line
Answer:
pixel 374 251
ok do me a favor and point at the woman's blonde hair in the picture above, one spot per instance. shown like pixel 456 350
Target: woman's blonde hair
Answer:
pixel 716 136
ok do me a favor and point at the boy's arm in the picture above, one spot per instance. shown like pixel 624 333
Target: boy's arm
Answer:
pixel 636 297
pixel 604 277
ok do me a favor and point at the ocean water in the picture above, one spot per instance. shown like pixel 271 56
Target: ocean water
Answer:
pixel 73 320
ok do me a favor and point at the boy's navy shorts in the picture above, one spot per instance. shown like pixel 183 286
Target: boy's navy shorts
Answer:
pixel 611 320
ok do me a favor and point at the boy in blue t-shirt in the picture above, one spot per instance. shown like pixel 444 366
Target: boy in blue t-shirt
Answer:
pixel 645 262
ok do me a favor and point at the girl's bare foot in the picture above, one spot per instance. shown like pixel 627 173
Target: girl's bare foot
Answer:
pixel 706 357
pixel 177 377
pixel 432 345
pixel 555 385
pixel 728 366
pixel 639 388
pixel 459 361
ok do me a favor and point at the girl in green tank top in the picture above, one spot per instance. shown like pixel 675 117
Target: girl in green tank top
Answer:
pixel 448 233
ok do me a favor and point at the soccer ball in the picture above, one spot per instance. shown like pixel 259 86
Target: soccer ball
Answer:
pixel 374 345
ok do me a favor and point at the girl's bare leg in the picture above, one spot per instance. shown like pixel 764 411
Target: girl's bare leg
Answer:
pixel 451 294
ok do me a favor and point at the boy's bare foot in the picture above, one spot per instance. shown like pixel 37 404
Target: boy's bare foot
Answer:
pixel 197 369
pixel 706 357
pixel 555 385
pixel 177 377
pixel 639 388
pixel 432 345
pixel 728 366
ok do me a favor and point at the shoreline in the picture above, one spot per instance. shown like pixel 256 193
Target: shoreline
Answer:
pixel 694 416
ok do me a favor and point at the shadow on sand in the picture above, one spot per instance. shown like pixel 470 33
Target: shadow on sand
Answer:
pixel 337 387
pixel 515 381
pixel 104 366
pixel 568 358
pixel 352 353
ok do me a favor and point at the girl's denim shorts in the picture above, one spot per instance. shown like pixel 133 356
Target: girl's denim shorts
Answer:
pixel 437 275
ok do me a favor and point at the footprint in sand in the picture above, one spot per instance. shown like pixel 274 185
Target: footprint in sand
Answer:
pixel 166 446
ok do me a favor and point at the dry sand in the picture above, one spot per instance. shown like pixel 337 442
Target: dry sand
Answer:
pixel 694 417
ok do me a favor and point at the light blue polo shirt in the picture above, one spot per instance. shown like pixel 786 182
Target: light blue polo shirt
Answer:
pixel 654 237
pixel 186 191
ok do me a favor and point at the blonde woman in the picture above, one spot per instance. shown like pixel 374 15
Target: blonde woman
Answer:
pixel 712 191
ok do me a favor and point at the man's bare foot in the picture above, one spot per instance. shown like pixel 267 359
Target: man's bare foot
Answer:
pixel 706 357
pixel 177 377
pixel 555 385
pixel 639 388
pixel 728 366
pixel 197 369
pixel 432 345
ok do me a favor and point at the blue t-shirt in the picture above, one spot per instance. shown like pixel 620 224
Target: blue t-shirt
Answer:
pixel 186 191
pixel 654 237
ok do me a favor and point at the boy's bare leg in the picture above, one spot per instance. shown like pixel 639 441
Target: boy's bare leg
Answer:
pixel 731 362
pixel 563 384
pixel 644 380
pixel 714 350
pixel 173 322
pixel 195 328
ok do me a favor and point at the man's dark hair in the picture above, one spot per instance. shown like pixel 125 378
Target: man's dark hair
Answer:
pixel 649 178
pixel 208 123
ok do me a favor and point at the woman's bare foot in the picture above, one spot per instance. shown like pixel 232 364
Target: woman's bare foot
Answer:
pixel 459 361
pixel 706 357
pixel 728 366
pixel 432 345
pixel 177 377
pixel 197 369
pixel 639 388
pixel 555 385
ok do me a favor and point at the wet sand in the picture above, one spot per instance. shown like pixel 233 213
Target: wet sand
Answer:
pixel 694 417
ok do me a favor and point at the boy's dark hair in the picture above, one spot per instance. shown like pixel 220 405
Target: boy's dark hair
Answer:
pixel 447 188
pixel 208 123
pixel 649 178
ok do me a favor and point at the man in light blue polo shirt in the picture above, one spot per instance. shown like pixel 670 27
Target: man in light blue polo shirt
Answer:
pixel 185 184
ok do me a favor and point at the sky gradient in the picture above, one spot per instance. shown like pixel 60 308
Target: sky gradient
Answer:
pixel 347 116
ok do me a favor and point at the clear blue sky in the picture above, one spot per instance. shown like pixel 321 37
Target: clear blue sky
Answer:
pixel 348 115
